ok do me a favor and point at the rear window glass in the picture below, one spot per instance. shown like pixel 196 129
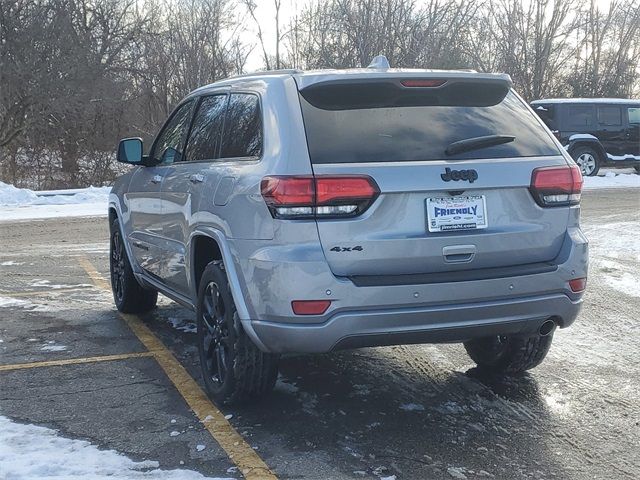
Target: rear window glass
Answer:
pixel 609 116
pixel 580 115
pixel 547 113
pixel 634 115
pixel 422 130
pixel 243 127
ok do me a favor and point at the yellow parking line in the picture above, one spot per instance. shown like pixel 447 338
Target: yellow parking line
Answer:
pixel 74 361
pixel 238 450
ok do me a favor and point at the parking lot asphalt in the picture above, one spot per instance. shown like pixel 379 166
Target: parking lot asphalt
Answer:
pixel 69 361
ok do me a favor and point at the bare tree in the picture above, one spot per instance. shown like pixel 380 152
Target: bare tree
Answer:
pixel 607 56
pixel 76 75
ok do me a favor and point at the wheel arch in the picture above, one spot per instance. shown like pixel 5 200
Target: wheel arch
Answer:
pixel 590 143
pixel 209 244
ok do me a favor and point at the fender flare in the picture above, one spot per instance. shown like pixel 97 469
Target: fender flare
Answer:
pixel 587 141
pixel 229 265
pixel 232 275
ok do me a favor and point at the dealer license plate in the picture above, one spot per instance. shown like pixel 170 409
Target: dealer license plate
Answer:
pixel 446 214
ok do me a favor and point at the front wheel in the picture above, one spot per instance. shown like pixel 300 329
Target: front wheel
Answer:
pixel 128 294
pixel 588 160
pixel 509 353
pixel 233 368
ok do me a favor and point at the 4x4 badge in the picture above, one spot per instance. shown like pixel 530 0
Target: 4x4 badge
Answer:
pixel 455 175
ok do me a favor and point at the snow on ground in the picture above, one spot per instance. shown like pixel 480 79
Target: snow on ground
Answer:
pixel 12 302
pixel 614 249
pixel 29 452
pixel 612 178
pixel 24 204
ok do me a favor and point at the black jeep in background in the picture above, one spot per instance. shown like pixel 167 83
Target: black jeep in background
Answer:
pixel 596 132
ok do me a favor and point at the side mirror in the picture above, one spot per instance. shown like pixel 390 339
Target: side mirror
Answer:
pixel 130 151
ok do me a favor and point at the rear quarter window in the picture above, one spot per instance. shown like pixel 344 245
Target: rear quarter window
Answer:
pixel 547 114
pixel 422 130
pixel 242 127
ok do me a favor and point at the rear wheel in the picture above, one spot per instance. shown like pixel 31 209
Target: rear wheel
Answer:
pixel 637 167
pixel 509 353
pixel 233 368
pixel 128 294
pixel 588 160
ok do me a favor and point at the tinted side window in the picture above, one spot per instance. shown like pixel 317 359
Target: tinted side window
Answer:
pixel 609 115
pixel 580 115
pixel 206 132
pixel 168 145
pixel 243 127
pixel 634 115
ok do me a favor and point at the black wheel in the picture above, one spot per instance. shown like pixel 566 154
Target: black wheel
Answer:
pixel 509 353
pixel 637 167
pixel 128 294
pixel 588 160
pixel 233 368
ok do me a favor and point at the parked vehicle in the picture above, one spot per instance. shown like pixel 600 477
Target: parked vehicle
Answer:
pixel 317 211
pixel 596 132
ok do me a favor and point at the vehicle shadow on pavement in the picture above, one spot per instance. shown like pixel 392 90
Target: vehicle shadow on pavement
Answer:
pixel 416 411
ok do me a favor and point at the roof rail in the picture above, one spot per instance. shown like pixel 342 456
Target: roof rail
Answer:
pixel 282 71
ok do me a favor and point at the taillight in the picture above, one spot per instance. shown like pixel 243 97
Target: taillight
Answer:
pixel 320 196
pixel 556 186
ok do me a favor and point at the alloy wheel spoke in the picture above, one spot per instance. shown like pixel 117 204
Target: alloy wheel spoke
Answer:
pixel 215 341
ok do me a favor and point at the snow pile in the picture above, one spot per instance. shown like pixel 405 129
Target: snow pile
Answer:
pixel 28 452
pixel 25 204
pixel 10 195
pixel 612 179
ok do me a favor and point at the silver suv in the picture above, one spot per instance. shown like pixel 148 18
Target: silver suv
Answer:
pixel 317 211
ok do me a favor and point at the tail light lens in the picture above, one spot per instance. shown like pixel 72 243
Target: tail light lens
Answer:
pixel 320 196
pixel 556 186
pixel 578 285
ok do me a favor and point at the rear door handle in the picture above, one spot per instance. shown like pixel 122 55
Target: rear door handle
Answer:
pixel 156 179
pixel 196 178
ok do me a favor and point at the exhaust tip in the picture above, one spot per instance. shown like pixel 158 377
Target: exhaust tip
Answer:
pixel 547 328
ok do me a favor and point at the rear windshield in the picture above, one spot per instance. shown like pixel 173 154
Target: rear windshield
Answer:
pixel 353 129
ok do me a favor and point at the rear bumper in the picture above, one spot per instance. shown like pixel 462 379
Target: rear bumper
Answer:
pixel 433 324
pixel 398 312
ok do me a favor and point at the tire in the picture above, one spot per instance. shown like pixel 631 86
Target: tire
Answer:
pixel 509 354
pixel 234 369
pixel 588 160
pixel 637 167
pixel 128 294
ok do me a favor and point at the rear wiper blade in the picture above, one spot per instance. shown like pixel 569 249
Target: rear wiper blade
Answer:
pixel 476 143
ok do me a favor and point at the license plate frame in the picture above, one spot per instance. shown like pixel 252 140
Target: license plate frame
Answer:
pixel 465 217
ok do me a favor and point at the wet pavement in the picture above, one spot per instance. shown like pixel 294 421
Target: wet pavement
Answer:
pixel 416 412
